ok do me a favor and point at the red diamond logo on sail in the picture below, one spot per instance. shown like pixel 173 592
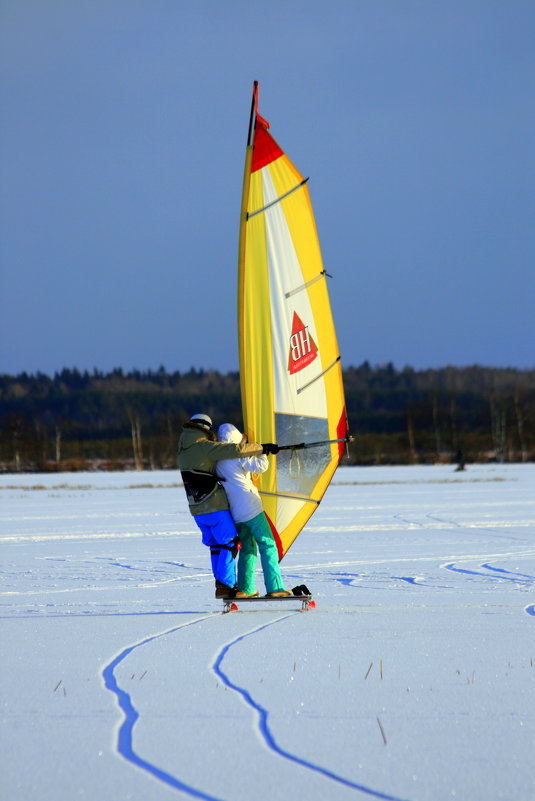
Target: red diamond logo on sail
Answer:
pixel 303 349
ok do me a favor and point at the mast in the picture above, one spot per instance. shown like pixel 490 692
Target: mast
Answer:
pixel 243 231
pixel 254 104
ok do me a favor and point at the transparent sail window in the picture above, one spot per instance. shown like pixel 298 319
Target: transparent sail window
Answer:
pixel 298 471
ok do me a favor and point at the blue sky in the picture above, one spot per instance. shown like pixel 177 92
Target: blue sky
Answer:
pixel 122 147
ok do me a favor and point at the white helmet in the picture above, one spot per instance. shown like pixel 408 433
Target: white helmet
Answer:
pixel 202 420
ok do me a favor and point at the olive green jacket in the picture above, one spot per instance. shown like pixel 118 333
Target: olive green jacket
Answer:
pixel 197 452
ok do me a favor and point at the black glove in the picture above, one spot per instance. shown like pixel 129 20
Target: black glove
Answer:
pixel 270 447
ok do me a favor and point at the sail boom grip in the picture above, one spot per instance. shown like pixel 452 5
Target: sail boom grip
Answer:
pixel 304 445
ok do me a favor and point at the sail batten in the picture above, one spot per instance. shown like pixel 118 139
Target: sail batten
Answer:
pixel 304 286
pixel 317 378
pixel 287 339
pixel 287 496
pixel 278 199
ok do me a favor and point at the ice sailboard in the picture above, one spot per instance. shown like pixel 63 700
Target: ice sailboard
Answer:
pixel 305 602
pixel 290 370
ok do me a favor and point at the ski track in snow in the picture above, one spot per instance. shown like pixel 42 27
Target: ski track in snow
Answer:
pixel 502 570
pixel 125 746
pixel 524 579
pixel 263 720
pixel 518 578
pixel 481 526
pixel 521 579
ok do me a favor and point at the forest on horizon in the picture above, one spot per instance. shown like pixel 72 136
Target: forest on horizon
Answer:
pixel 132 420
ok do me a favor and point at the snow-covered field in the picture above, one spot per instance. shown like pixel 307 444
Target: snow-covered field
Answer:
pixel 413 679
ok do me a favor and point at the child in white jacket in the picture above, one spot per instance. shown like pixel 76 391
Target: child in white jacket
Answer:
pixel 251 522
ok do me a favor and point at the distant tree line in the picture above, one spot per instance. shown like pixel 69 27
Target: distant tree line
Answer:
pixel 80 420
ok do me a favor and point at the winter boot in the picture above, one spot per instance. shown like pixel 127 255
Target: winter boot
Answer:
pixel 224 591
pixel 301 589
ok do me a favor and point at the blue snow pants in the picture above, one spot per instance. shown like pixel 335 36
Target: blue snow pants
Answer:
pixel 218 529
pixel 253 533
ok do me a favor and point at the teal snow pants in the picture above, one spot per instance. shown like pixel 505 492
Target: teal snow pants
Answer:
pixel 253 533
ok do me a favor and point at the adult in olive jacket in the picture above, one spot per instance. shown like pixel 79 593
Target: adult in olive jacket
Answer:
pixel 198 454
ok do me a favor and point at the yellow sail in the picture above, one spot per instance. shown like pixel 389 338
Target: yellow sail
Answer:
pixel 291 376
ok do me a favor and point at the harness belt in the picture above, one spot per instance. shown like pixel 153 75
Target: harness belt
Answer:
pixel 234 546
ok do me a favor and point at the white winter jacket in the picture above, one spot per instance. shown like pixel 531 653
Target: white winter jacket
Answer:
pixel 243 497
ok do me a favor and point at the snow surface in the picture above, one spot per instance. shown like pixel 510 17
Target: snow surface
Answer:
pixel 413 679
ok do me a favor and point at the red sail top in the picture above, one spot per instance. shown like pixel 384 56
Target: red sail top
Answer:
pixel 265 149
